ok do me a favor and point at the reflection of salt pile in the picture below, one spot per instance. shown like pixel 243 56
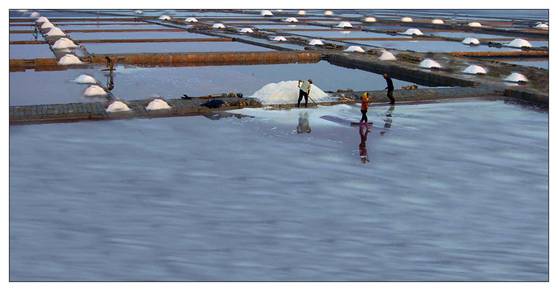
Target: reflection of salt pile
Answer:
pixel 266 13
pixel 55 31
pixel 64 43
pixel 69 59
pixel 430 64
pixel 474 24
pixel 354 48
pixel 519 43
pixel 85 79
pixel 328 13
pixel 301 12
pixel 344 24
pixel 412 31
pixel 370 19
pixel 191 19
pixel 406 19
pixel 164 17
pixel 516 78
pixel 437 21
pixel 118 106
pixel 471 41
pixel 246 30
pixel 291 19
pixel 157 104
pixel 316 42
pixel 218 26
pixel 285 92
pixel 474 70
pixel 94 91
pixel 387 56
pixel 279 38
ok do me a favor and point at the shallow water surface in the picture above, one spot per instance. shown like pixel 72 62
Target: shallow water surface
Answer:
pixel 454 191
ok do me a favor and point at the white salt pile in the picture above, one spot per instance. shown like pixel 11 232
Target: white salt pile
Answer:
pixel 430 64
pixel 437 21
pixel 279 38
pixel 316 42
pixel 474 70
pixel 266 13
pixel 387 56
pixel 412 31
pixel 285 92
pixel 191 19
pixel 47 25
pixel 218 26
pixel 157 104
pixel 35 14
pixel 301 12
pixel 64 43
pixel 118 106
pixel 344 24
pixel 474 24
pixel 291 19
pixel 69 59
pixel 94 91
pixel 370 19
pixel 519 43
pixel 354 48
pixel 55 31
pixel 41 19
pixel 328 13
pixel 516 78
pixel 246 30
pixel 406 19
pixel 85 79
pixel 138 12
pixel 470 41
pixel 164 17
pixel 543 26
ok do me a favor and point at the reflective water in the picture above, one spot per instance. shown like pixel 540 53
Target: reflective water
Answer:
pixel 431 46
pixel 170 47
pixel 30 51
pixel 454 191
pixel 136 35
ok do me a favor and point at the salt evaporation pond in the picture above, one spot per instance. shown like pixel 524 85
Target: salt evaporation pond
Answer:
pixel 30 51
pixel 464 34
pixel 347 34
pixel 431 46
pixel 172 82
pixel 115 26
pixel 170 47
pixel 291 26
pixel 454 191
pixel 135 35
pixel 542 64
pixel 24 36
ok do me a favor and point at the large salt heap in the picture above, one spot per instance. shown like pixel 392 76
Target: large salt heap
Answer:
pixel 85 79
pixel 437 21
pixel 279 38
pixel 138 12
pixel 474 70
pixel 218 26
pixel 164 17
pixel 41 19
pixel 266 13
pixel 285 92
pixel 291 19
pixel 64 43
pixel 328 13
pixel 69 59
pixel 191 20
pixel 474 24
pixel 370 19
pixel 387 56
pixel 301 12
pixel 519 43
pixel 516 78
pixel 543 26
pixel 118 106
pixel 35 14
pixel 94 91
pixel 406 19
pixel 354 48
pixel 246 30
pixel 55 31
pixel 344 24
pixel 47 25
pixel 470 41
pixel 316 42
pixel 412 31
pixel 430 64
pixel 157 104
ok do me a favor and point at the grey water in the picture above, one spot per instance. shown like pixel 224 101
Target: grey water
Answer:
pixel 453 192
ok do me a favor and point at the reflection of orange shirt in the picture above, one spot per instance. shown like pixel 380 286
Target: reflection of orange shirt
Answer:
pixel 364 104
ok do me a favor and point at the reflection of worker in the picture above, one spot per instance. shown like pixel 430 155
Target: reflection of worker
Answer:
pixel 304 91
pixel 110 81
pixel 363 152
pixel 303 123
pixel 36 32
pixel 389 88
pixel 388 120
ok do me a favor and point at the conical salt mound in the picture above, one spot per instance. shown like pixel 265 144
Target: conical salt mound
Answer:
pixel 69 59
pixel 191 20
pixel 266 13
pixel 85 79
pixel 291 19
pixel 519 43
pixel 64 43
pixel 354 48
pixel 437 21
pixel 41 19
pixel 474 24
pixel 387 56
pixel 430 64
pixel 118 106
pixel 328 13
pixel 246 30
pixel 474 70
pixel 406 19
pixel 516 78
pixel 285 92
pixel 35 14
pixel 157 104
pixel 542 26
pixel 279 38
pixel 47 25
pixel 301 12
pixel 344 24
pixel 138 12
pixel 94 91
pixel 471 41
pixel 370 19
pixel 412 31
pixel 164 17
pixel 316 42
pixel 55 31
pixel 218 26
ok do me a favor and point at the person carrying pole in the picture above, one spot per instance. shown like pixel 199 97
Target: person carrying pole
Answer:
pixel 304 91
pixel 389 88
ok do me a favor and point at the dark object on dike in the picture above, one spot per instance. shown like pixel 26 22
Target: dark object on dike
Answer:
pixel 213 103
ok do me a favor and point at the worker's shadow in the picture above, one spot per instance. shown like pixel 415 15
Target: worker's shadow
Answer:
pixel 303 123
